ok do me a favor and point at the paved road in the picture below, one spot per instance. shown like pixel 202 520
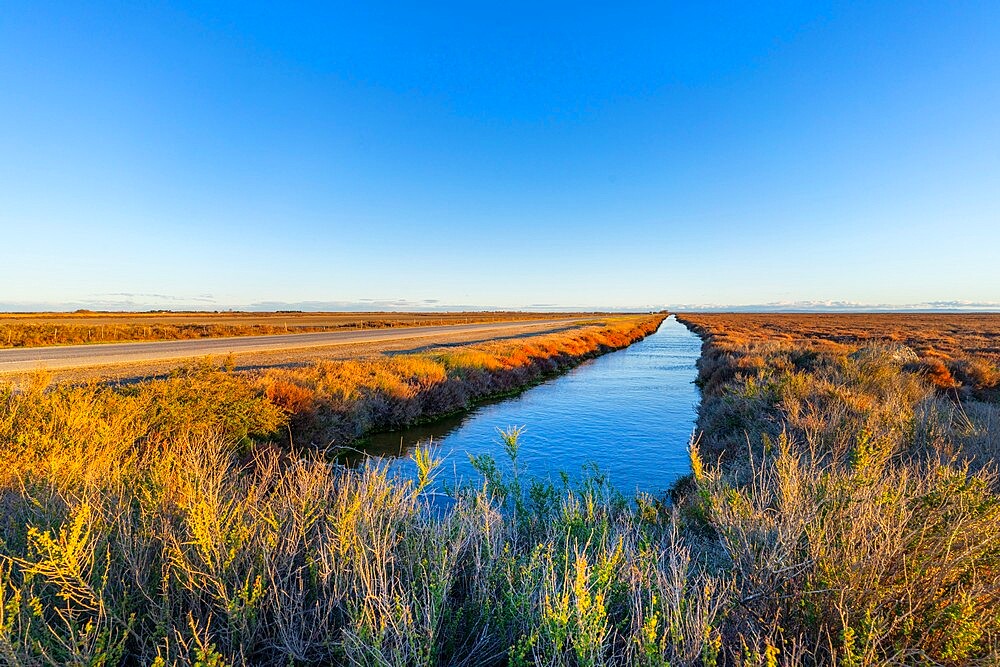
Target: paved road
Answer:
pixel 64 357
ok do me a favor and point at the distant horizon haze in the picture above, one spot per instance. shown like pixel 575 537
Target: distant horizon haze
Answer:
pixel 387 306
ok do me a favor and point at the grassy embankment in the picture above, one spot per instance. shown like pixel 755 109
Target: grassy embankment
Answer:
pixel 843 510
pixel 846 484
pixel 43 329
pixel 151 523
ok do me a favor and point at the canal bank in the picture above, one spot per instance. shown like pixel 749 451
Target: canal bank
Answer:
pixel 628 415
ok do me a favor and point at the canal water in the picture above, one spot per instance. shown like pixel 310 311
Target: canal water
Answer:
pixel 631 413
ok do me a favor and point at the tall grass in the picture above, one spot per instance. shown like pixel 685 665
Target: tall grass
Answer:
pixel 152 524
pixel 856 508
pixel 842 509
pixel 191 553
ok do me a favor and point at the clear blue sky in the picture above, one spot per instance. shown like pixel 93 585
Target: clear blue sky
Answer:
pixel 607 155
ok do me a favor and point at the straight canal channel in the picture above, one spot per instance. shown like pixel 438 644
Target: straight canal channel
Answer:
pixel 630 413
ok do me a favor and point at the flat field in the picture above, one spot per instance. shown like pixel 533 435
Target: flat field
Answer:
pixel 847 473
pixel 81 327
pixel 958 334
pixel 843 509
pixel 955 350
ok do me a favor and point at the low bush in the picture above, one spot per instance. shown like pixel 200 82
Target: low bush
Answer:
pixel 855 506
pixel 155 523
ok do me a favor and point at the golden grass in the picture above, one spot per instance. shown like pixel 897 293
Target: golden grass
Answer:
pixel 851 492
pixel 842 510
pixel 954 350
pixel 154 524
pixel 202 560
pixel 85 327
pixel 336 402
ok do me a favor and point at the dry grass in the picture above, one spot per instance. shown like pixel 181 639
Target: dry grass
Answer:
pixel 154 524
pixel 852 498
pixel 842 510
pixel 954 350
pixel 84 327
pixel 337 402
pixel 210 561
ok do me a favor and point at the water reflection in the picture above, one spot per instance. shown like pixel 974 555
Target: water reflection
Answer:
pixel 630 412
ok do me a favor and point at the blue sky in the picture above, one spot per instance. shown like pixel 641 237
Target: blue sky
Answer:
pixel 523 154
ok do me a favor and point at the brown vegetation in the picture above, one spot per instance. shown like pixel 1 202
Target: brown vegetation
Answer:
pixel 953 350
pixel 154 524
pixel 848 490
pixel 42 329
pixel 842 510
pixel 333 402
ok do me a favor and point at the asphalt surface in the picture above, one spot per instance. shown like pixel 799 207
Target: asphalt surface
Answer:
pixel 64 357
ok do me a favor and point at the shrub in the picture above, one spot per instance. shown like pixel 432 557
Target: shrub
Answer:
pixel 858 512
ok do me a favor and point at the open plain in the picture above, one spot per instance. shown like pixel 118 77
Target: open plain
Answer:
pixel 87 327
pixel 843 507
pixel 141 359
pixel 955 350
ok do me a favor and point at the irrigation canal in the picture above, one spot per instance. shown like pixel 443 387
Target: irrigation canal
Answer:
pixel 631 413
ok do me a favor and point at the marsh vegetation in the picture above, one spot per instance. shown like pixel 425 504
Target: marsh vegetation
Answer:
pixel 86 327
pixel 851 496
pixel 173 521
pixel 843 508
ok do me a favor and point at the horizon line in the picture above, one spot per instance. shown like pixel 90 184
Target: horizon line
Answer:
pixel 180 305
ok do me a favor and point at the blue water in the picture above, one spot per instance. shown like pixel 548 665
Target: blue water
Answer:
pixel 630 412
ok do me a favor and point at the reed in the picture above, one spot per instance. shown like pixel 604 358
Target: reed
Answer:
pixel 153 524
pixel 842 509
pixel 853 500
